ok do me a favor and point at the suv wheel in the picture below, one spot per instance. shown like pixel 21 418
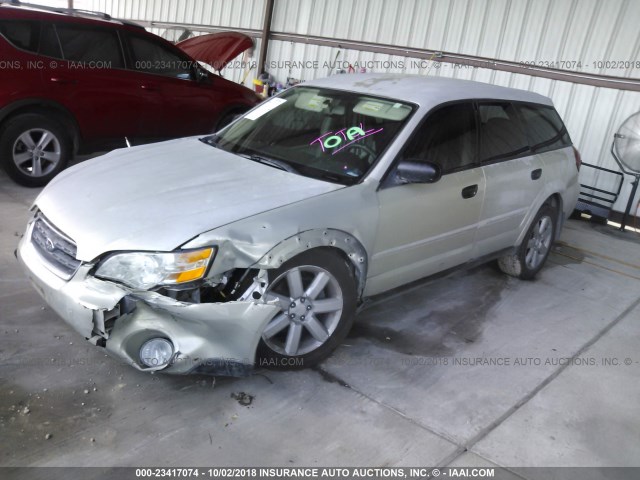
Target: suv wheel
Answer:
pixel 531 255
pixel 317 295
pixel 33 149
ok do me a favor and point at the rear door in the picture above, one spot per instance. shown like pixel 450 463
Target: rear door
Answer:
pixel 427 228
pixel 513 175
pixel 549 140
pixel 20 77
pixel 84 70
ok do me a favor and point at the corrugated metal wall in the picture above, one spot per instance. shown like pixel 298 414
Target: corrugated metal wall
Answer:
pixel 228 13
pixel 517 30
pixel 602 35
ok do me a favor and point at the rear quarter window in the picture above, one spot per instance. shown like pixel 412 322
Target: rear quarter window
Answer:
pixel 544 128
pixel 21 33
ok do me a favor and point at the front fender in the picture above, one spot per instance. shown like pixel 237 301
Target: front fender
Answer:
pixel 344 219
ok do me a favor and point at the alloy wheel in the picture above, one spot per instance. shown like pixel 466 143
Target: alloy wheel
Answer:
pixel 36 152
pixel 311 305
pixel 539 242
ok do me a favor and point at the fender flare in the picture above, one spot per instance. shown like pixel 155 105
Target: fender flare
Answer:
pixel 28 105
pixel 350 247
pixel 554 199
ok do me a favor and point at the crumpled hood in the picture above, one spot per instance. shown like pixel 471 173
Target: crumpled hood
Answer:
pixel 157 197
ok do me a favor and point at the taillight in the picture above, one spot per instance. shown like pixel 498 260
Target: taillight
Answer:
pixel 578 157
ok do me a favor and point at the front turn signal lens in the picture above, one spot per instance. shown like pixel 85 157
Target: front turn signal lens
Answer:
pixel 189 266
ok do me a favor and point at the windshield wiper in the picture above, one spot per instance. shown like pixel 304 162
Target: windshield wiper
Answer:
pixel 213 140
pixel 336 178
pixel 272 162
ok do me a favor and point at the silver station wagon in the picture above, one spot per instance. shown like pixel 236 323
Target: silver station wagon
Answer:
pixel 255 246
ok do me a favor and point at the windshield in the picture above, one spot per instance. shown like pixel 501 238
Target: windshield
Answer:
pixel 329 134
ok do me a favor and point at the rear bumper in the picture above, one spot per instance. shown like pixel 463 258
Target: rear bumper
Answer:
pixel 213 338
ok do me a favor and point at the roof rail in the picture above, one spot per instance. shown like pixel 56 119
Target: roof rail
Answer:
pixel 130 23
pixel 68 11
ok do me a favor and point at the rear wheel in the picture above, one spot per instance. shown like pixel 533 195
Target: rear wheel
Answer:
pixel 531 255
pixel 34 149
pixel 316 292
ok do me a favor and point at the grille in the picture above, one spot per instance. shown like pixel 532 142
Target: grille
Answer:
pixel 55 248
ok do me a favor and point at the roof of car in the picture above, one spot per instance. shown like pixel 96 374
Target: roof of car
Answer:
pixel 426 91
pixel 39 12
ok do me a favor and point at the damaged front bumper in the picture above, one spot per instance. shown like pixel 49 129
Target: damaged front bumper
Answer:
pixel 212 338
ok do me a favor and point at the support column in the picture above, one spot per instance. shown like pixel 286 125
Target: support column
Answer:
pixel 266 33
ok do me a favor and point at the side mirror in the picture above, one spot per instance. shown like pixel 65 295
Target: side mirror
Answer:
pixel 412 171
pixel 201 75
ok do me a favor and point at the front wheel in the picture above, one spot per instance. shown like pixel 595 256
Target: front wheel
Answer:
pixel 33 149
pixel 316 292
pixel 531 255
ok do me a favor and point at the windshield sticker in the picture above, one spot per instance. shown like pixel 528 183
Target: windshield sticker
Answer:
pixel 334 142
pixel 264 108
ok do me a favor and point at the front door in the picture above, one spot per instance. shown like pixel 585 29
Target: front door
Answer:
pixel 427 228
pixel 190 107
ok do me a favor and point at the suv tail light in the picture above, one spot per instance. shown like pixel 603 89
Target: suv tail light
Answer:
pixel 578 157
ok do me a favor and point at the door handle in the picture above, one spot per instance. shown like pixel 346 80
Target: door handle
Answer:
pixel 470 191
pixel 536 174
pixel 63 81
pixel 148 88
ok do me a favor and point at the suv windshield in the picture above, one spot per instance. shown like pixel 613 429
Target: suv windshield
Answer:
pixel 329 134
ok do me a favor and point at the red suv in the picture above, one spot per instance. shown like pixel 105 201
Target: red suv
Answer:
pixel 75 80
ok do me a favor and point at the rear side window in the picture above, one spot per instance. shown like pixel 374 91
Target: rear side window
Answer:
pixel 81 44
pixel 153 57
pixel 21 33
pixel 544 128
pixel 447 138
pixel 501 136
pixel 49 43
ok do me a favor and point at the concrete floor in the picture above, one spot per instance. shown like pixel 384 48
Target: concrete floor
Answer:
pixel 404 390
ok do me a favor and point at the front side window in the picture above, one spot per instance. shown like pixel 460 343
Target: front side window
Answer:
pixel 501 136
pixel 329 134
pixel 544 128
pixel 447 138
pixel 153 57
pixel 21 33
pixel 90 45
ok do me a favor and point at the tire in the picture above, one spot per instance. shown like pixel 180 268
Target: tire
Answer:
pixel 24 159
pixel 301 335
pixel 534 250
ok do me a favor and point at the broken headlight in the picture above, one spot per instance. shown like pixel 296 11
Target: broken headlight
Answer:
pixel 145 269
